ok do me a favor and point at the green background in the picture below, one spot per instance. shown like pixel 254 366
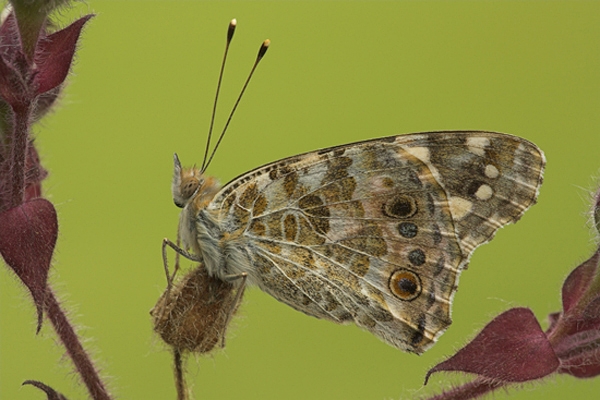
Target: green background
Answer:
pixel 142 88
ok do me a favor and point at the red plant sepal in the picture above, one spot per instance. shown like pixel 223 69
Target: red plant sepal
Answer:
pixel 20 82
pixel 575 333
pixel 513 348
pixel 27 238
pixel 54 55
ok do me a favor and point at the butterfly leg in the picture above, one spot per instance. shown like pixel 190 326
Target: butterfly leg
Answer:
pixel 166 242
pixel 237 301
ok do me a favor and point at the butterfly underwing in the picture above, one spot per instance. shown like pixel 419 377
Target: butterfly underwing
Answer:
pixel 375 232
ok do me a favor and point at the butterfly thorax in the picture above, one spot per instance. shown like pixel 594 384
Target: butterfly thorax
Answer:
pixel 192 192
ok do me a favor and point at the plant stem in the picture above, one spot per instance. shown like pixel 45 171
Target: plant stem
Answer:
pixel 18 155
pixel 80 358
pixel 179 375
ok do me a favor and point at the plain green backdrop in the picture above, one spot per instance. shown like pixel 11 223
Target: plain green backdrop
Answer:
pixel 142 88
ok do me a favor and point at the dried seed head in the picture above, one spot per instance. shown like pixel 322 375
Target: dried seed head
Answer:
pixel 193 315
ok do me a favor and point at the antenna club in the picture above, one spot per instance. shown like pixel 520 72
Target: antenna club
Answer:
pixel 261 53
pixel 263 49
pixel 231 29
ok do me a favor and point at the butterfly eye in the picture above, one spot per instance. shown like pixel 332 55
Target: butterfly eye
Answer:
pixel 189 187
pixel 405 285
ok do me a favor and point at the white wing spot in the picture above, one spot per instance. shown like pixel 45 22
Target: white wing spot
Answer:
pixel 491 171
pixel 484 192
pixel 477 145
pixel 459 207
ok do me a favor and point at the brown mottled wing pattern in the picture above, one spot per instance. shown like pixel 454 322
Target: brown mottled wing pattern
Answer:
pixel 377 232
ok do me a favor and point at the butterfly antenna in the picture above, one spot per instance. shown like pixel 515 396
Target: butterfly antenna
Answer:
pixel 230 32
pixel 261 52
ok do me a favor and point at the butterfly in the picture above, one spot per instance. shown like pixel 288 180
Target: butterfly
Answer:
pixel 374 233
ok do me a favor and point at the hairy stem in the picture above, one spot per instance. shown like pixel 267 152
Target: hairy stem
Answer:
pixel 179 375
pixel 18 155
pixel 80 358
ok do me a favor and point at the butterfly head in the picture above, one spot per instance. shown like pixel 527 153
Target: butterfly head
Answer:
pixel 190 185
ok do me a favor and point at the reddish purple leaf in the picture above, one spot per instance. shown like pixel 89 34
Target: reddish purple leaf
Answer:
pixel 10 43
pixel 54 55
pixel 8 32
pixel 590 317
pixel 575 333
pixel 583 366
pixel 578 282
pixel 12 85
pixel 581 305
pixel 580 354
pixel 51 393
pixel 582 371
pixel 27 241
pixel 511 348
